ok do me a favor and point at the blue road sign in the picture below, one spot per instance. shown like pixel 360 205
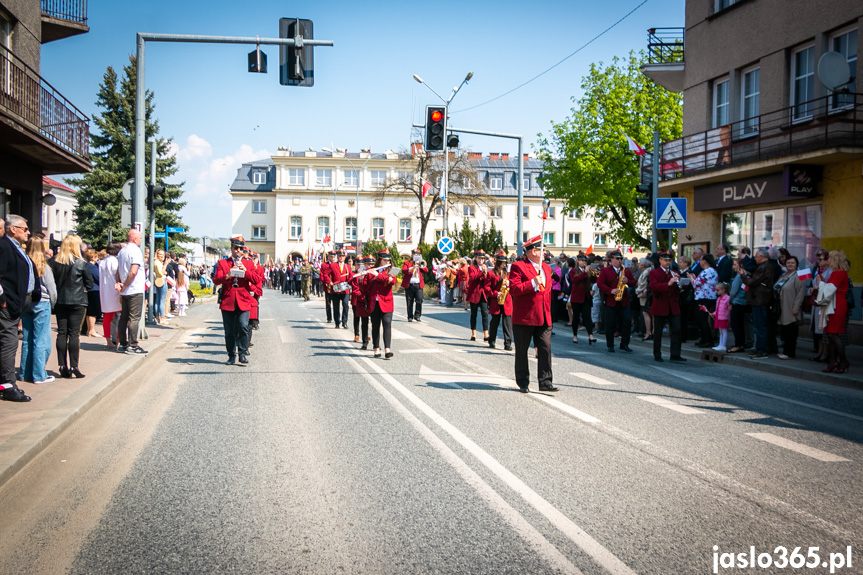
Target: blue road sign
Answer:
pixel 171 230
pixel 671 213
pixel 159 234
pixel 445 245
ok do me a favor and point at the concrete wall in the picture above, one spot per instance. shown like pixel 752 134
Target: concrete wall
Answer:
pixel 27 30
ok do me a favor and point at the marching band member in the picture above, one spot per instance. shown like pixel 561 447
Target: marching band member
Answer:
pixel 500 313
pixel 359 287
pixel 580 299
pixel 665 307
pixel 257 290
pixel 613 282
pixel 339 273
pixel 324 272
pixel 413 284
pixel 530 288
pixel 379 301
pixel 477 292
pixel 236 275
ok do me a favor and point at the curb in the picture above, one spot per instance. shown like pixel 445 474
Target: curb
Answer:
pixel 25 445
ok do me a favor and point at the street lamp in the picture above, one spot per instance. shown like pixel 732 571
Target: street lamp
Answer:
pixel 445 183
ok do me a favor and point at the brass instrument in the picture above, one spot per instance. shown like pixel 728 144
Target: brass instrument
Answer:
pixel 504 289
pixel 423 264
pixel 593 271
pixel 621 284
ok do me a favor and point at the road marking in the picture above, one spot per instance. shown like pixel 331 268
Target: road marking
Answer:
pixel 568 409
pixel 396 334
pixel 574 352
pixel 421 350
pixel 429 330
pixel 798 447
pixel 592 378
pixel 287 334
pixel 464 378
pixel 576 534
pixel 485 351
pixel 667 403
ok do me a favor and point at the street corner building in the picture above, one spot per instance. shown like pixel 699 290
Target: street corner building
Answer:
pixel 772 146
pixel 41 132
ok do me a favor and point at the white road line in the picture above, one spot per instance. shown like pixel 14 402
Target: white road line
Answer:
pixel 798 447
pixel 667 403
pixel 421 350
pixel 429 330
pixel 568 409
pixel 576 534
pixel 592 378
pixel 287 334
pixel 396 334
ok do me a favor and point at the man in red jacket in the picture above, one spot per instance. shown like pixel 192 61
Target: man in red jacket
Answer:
pixel 237 276
pixel 665 307
pixel 413 284
pixel 326 282
pixel 616 312
pixel 530 288
pixel 338 290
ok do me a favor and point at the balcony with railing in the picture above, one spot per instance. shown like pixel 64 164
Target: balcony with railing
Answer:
pixel 63 18
pixel 830 124
pixel 665 58
pixel 37 122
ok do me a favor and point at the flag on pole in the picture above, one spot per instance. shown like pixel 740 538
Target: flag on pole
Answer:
pixel 426 188
pixel 589 250
pixel 633 147
pixel 407 239
pixel 630 249
pixel 382 236
pixel 804 274
pixel 327 238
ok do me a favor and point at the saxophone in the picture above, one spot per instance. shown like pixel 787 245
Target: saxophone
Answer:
pixel 504 289
pixel 621 284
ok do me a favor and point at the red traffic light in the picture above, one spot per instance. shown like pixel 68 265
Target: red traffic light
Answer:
pixel 436 116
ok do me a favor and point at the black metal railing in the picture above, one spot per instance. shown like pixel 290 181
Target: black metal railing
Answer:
pixel 665 46
pixel 829 121
pixel 72 10
pixel 28 98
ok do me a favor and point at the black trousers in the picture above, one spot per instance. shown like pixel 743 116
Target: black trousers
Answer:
pixel 772 329
pixel 617 319
pixel 287 285
pixel 378 318
pixel 69 318
pixel 236 324
pixel 738 314
pixel 9 344
pixel 414 299
pixel 581 312
pixel 130 316
pixel 328 302
pixel 364 321
pixel 340 303
pixel 674 328
pixel 482 306
pixel 541 336
pixel 705 332
pixel 789 339
pixel 496 320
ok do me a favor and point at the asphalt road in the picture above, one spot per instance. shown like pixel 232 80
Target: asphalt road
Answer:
pixel 317 458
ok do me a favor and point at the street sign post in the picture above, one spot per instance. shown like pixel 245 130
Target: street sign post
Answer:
pixel 445 245
pixel 175 230
pixel 160 235
pixel 670 213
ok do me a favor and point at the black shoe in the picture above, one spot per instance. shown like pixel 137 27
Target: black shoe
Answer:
pixel 523 390
pixel 418 320
pixel 388 354
pixel 678 359
pixel 410 319
pixel 243 359
pixel 14 394
pixel 64 373
pixel 122 348
pixel 611 350
pixel 377 354
pixel 507 348
pixel 473 338
pixel 231 360
pixel 491 344
pixel 548 388
pixel 658 358
pixel 78 375
pixel 625 348
pixel 251 344
pixel 364 347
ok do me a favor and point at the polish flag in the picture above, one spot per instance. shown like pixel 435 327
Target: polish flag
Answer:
pixel 426 188
pixel 407 239
pixel 630 249
pixel 327 239
pixel 380 237
pixel 589 250
pixel 633 147
pixel 804 274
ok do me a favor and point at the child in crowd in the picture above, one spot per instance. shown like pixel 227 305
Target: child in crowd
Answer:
pixel 182 288
pixel 722 315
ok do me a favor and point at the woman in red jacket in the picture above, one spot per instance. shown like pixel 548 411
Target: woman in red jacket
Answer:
pixel 478 293
pixel 379 302
pixel 359 288
pixel 837 361
pixel 500 313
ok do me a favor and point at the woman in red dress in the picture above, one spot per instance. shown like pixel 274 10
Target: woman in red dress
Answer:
pixel 837 362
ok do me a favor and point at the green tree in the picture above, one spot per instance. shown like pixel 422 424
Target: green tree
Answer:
pixel 586 160
pixel 467 240
pixel 99 194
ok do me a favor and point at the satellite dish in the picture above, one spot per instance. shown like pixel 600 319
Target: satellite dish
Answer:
pixel 833 70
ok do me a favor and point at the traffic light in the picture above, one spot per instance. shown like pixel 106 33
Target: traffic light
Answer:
pixel 435 127
pixel 155 196
pixel 647 201
pixel 452 141
pixel 258 61
pixel 296 63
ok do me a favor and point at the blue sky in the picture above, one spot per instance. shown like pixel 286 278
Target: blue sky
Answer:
pixel 364 95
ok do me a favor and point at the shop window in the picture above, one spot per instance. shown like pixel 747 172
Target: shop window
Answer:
pixel 736 230
pixel 769 228
pixel 803 233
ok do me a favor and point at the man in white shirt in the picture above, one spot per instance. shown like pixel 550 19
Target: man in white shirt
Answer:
pixel 130 284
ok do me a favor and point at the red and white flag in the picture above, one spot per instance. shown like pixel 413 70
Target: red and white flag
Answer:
pixel 407 239
pixel 426 188
pixel 327 239
pixel 589 250
pixel 380 237
pixel 804 274
pixel 633 147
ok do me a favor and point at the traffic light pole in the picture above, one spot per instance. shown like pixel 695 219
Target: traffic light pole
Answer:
pixel 654 177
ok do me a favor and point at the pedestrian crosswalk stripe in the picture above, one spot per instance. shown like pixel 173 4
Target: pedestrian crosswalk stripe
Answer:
pixel 798 447
pixel 668 404
pixel 591 378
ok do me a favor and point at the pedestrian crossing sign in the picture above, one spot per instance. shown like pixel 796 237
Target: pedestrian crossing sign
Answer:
pixel 672 213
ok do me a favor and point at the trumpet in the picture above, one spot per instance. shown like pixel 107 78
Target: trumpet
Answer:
pixel 593 271
pixel 380 269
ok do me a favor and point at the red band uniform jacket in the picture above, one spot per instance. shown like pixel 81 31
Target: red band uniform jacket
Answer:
pixel 359 293
pixel 478 284
pixel 607 281
pixel 240 297
pixel 494 308
pixel 380 292
pixel 339 274
pixel 529 307
pixel 666 298
pixel 407 271
pixel 325 276
pixel 581 282
pixel 257 290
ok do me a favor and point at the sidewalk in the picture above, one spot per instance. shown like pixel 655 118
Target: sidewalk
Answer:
pixel 26 428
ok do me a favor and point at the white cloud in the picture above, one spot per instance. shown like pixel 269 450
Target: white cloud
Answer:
pixel 196 147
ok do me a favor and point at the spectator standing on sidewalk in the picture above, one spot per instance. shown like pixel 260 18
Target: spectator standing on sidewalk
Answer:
pixel 760 297
pixel 160 286
pixel 130 284
pixel 74 280
pixel 109 298
pixel 94 307
pixel 36 320
pixel 790 291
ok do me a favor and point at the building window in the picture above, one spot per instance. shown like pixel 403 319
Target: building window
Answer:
pixel 352 178
pixel 769 228
pixel 259 206
pixel 574 239
pixel 736 230
pixel 845 44
pixel 495 211
pixel 438 211
pixel 495 183
pixel 379 203
pixel 551 212
pixel 466 183
pixel 574 215
pixel 525 183
pixel 350 229
pixel 259 177
pixel 750 96
pixel 324 178
pixel 323 227
pixel 379 178
pixel 296 177
pixel 259 232
pixel 438 234
pixel 377 228
pixel 296 232
pixel 406 178
pixel 599 239
pixel 723 4
pixel 405 230
pixel 548 238
pixel 468 211
pixel 803 233
pixel 802 83
pixel 525 211
pixel 524 237
pixel 720 103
